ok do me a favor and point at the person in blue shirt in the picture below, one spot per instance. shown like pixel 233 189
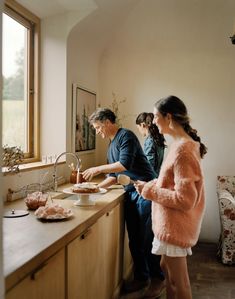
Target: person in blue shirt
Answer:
pixel 154 144
pixel 125 156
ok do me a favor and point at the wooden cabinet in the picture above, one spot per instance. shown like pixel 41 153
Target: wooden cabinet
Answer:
pixel 47 281
pixel 94 259
pixel 112 250
pixel 84 270
pixel 90 266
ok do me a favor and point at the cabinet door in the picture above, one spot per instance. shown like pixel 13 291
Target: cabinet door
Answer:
pixel 84 265
pixel 47 281
pixel 111 241
pixel 94 259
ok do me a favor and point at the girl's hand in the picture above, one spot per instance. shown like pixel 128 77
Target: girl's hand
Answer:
pixel 139 185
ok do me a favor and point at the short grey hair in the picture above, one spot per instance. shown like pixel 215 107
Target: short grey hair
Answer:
pixel 101 114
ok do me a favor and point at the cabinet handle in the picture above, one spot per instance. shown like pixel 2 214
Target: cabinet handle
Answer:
pixel 37 272
pixel 85 234
pixel 109 213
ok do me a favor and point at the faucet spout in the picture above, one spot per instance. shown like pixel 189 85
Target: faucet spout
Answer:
pixel 78 160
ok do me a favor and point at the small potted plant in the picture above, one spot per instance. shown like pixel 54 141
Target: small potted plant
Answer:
pixel 12 157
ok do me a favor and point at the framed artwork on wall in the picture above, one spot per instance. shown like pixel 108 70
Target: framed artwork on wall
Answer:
pixel 84 104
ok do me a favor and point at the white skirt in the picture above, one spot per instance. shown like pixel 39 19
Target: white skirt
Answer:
pixel 160 248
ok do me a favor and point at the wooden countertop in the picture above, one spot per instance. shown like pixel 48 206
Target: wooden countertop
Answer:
pixel 28 242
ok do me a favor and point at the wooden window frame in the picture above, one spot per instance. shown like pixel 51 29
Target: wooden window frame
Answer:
pixel 32 22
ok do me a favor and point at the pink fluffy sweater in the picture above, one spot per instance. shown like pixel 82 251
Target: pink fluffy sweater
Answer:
pixel 178 196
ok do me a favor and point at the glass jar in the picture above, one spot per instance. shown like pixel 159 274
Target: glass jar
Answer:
pixel 80 178
pixel 73 177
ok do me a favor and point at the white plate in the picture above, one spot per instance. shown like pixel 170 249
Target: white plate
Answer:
pixel 70 191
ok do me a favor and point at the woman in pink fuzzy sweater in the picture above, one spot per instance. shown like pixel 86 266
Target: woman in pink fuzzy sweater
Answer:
pixel 177 196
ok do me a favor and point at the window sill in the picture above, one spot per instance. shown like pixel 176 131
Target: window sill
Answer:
pixel 30 166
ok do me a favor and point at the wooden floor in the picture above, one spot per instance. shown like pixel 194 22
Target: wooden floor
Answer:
pixel 210 279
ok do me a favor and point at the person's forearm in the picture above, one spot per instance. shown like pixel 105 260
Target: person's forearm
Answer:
pixel 111 168
pixel 89 173
pixel 109 181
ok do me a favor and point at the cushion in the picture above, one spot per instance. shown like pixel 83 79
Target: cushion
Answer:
pixel 226 182
pixel 227 207
pixel 223 193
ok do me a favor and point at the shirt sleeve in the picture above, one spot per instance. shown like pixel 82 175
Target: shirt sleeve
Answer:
pixel 128 149
pixel 154 154
pixel 150 152
pixel 184 193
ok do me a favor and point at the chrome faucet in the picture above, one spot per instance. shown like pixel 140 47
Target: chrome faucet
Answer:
pixel 55 166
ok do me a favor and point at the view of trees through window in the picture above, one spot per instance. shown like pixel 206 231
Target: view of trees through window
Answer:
pixel 14 95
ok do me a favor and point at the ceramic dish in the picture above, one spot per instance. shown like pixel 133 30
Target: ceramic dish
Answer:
pixel 70 191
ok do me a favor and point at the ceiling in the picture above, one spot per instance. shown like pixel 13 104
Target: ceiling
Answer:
pixel 47 8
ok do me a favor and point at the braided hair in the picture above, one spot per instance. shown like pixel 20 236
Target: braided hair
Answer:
pixel 179 113
pixel 147 119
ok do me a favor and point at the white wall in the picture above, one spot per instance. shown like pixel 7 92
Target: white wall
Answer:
pixel 82 68
pixel 182 48
pixel 54 33
pixel 53 85
pixel 85 46
pixel 1 193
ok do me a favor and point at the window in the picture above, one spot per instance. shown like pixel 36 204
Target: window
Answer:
pixel 20 68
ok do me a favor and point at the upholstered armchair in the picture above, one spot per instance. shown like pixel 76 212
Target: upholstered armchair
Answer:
pixel 226 193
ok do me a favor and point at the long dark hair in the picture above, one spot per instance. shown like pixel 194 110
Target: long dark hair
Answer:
pixel 147 119
pixel 179 113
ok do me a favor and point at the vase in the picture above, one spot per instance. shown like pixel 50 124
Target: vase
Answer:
pixel 80 178
pixel 73 177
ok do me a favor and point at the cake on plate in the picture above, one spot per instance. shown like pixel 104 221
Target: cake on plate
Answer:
pixel 85 188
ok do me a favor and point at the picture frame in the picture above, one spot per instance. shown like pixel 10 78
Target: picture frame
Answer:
pixel 83 105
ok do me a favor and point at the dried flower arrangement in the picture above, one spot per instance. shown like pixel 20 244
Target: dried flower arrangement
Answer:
pixel 12 157
pixel 115 105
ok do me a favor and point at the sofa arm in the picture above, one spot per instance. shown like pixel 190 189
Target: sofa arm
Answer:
pixel 227 207
pixel 227 217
